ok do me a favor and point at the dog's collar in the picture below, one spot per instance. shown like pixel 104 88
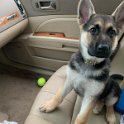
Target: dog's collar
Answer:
pixel 96 64
pixel 90 62
pixel 93 63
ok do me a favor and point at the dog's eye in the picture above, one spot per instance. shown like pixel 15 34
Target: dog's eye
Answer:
pixel 111 32
pixel 94 31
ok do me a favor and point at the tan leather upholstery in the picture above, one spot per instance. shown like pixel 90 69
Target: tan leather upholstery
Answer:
pixel 68 109
pixel 63 114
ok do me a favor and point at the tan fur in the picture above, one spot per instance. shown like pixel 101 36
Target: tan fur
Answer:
pixel 87 37
pixel 114 43
pixel 110 115
pixel 53 103
pixel 99 22
pixel 108 25
pixel 83 116
pixel 103 25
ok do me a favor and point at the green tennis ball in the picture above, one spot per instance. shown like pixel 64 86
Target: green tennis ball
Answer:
pixel 41 81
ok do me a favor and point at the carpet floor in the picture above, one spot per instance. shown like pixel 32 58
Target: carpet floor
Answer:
pixel 18 90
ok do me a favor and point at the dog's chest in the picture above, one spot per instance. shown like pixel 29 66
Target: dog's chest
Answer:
pixel 82 84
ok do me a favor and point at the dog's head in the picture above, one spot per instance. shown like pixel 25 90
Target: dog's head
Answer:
pixel 99 33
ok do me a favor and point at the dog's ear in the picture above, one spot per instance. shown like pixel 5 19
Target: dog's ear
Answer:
pixel 85 10
pixel 119 15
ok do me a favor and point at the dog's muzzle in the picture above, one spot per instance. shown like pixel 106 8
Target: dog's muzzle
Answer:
pixel 103 51
pixel 100 51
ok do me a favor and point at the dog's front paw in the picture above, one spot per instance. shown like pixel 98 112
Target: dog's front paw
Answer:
pixel 80 120
pixel 112 122
pixel 111 119
pixel 48 106
pixel 97 110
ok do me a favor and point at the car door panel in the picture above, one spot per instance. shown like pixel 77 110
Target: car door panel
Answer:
pixel 12 21
pixel 69 7
pixel 64 7
pixel 49 52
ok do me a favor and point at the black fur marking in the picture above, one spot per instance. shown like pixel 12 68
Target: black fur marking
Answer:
pixel 78 92
pixel 102 64
pixel 111 87
pixel 72 65
pixel 76 58
pixel 117 77
pixel 102 77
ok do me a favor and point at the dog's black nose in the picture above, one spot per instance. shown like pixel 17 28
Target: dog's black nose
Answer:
pixel 100 50
pixel 103 48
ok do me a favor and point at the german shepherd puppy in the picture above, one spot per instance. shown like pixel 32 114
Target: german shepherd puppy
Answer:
pixel 88 69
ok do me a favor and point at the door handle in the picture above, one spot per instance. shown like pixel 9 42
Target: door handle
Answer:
pixel 47 5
